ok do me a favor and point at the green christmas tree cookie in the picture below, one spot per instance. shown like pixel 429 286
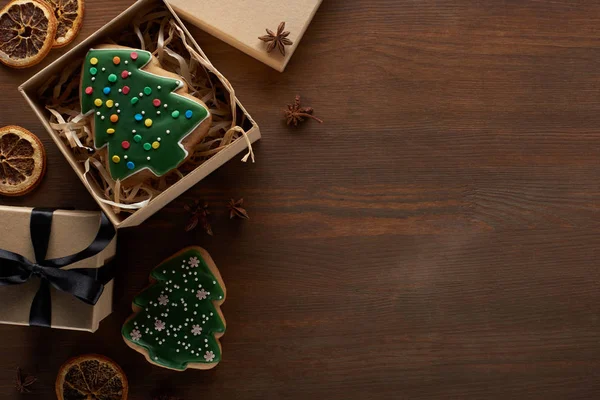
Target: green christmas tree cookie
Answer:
pixel 141 112
pixel 178 321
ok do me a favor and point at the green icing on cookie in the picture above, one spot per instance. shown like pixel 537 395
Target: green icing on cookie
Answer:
pixel 128 102
pixel 178 318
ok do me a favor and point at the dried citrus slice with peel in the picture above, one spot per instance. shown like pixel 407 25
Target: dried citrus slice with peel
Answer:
pixel 91 377
pixel 69 15
pixel 22 161
pixel 27 31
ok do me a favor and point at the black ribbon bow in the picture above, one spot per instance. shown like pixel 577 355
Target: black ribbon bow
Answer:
pixel 87 284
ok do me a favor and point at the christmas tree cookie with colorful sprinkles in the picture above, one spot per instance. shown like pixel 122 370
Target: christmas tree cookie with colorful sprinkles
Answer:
pixel 144 118
pixel 177 320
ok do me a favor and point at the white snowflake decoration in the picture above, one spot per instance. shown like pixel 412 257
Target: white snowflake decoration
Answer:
pixel 135 335
pixel 201 294
pixel 209 356
pixel 194 262
pixel 196 330
pixel 163 300
pixel 159 325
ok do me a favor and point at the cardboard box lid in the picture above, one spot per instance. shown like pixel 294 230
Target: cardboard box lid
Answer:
pixel 71 232
pixel 240 23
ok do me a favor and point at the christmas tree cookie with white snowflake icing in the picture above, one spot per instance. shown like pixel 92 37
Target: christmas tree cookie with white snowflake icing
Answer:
pixel 177 320
pixel 144 119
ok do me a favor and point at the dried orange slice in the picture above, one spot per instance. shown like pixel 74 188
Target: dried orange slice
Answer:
pixel 27 30
pixel 91 376
pixel 69 15
pixel 22 161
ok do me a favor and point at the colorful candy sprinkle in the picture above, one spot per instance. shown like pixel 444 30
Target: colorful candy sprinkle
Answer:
pixel 134 100
pixel 138 117
pixel 148 122
pixel 110 131
pixel 93 61
pixel 114 118
pixel 98 102
pixel 126 89
pixel 93 71
pixel 175 114
pixel 155 145
pixel 147 90
pixel 137 138
pixel 156 102
pixel 124 74
pixel 106 90
pixel 188 114
pixel 110 103
pixel 130 165
pixel 89 90
pixel 112 78
pixel 116 159
pixel 125 144
pixel 116 60
pixel 134 55
pixel 147 146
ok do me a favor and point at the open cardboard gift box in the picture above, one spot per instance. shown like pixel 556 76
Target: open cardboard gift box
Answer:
pixel 119 26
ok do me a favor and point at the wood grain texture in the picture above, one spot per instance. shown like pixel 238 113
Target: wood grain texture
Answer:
pixel 435 238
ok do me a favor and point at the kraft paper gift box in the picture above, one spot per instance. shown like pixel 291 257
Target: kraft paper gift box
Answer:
pixel 70 233
pixel 122 25
pixel 240 23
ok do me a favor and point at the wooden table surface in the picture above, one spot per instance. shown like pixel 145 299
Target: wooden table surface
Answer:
pixel 435 238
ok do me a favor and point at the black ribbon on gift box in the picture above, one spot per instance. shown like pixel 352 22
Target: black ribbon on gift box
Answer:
pixel 87 284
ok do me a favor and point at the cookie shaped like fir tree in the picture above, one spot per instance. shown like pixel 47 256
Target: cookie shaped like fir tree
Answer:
pixel 178 321
pixel 137 114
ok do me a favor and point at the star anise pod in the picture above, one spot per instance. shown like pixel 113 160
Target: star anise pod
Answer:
pixel 236 209
pixel 23 381
pixel 278 39
pixel 199 215
pixel 295 113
